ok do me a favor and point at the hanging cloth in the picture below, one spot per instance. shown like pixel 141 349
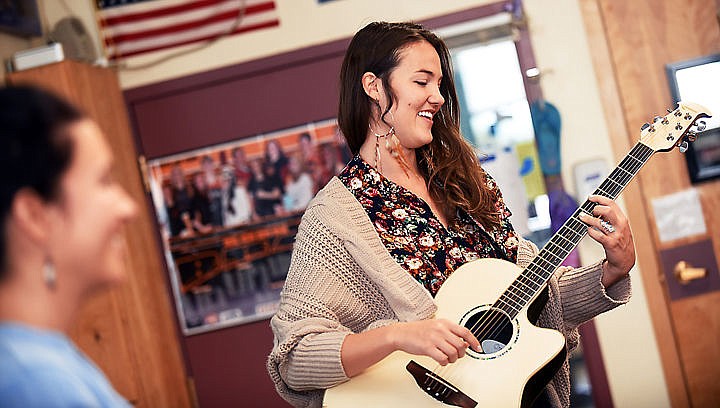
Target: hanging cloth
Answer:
pixel 546 124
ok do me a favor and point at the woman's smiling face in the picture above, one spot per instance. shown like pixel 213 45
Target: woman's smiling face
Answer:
pixel 415 86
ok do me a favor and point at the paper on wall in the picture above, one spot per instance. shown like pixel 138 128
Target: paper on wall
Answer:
pixel 679 215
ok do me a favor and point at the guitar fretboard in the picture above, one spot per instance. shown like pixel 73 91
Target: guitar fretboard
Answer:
pixel 533 278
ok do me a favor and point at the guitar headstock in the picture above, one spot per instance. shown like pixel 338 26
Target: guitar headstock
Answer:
pixel 674 129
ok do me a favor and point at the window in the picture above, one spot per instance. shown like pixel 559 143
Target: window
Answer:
pixel 496 119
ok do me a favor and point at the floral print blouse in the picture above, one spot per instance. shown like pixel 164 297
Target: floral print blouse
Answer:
pixel 415 237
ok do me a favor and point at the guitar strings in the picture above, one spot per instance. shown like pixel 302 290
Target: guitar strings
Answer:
pixel 571 224
pixel 495 316
pixel 482 327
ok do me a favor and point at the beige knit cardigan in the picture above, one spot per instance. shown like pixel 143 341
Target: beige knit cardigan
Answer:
pixel 342 280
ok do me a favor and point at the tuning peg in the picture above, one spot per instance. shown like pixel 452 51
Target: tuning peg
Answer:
pixel 644 126
pixel 691 136
pixel 683 146
pixel 657 118
pixel 669 110
pixel 701 125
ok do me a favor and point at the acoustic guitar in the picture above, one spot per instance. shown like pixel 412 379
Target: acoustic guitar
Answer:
pixel 498 301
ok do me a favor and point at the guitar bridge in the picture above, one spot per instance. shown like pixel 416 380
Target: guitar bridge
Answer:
pixel 436 387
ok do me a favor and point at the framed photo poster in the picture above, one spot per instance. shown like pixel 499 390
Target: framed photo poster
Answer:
pixel 228 216
pixel 698 81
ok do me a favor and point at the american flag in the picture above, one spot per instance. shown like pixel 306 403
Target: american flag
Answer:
pixel 132 27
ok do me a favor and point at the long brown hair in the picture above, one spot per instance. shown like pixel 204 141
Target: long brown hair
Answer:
pixel 449 165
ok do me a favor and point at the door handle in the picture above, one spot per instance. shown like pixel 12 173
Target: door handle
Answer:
pixel 686 273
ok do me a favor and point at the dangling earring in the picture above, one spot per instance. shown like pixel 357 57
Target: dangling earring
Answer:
pixel 392 144
pixel 49 274
pixel 428 155
pixel 378 162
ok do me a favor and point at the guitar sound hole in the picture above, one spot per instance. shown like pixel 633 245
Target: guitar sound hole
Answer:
pixel 493 329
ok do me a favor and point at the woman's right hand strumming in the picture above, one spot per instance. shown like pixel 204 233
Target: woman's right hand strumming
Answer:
pixel 440 339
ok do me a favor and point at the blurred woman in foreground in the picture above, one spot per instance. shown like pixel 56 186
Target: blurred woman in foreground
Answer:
pixel 61 240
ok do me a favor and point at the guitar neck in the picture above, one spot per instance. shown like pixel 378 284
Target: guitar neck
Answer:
pixel 533 278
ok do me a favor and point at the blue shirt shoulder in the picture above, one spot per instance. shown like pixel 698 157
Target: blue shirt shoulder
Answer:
pixel 40 368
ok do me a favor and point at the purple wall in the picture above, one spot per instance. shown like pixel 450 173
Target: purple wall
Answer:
pixel 229 367
pixel 230 103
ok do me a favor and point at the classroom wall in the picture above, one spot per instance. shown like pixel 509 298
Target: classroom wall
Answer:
pixel 560 46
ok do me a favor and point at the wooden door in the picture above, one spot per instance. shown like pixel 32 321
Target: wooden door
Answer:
pixel 631 41
pixel 129 331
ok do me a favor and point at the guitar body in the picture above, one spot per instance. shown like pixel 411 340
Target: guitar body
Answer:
pixel 516 365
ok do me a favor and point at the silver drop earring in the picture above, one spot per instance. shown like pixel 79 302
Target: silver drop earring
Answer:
pixel 49 274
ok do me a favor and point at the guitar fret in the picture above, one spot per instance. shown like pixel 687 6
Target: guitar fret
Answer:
pixel 541 256
pixel 511 297
pixel 525 284
pixel 635 158
pixel 610 180
pixel 560 255
pixel 544 268
pixel 619 174
pixel 534 273
pixel 608 195
pixel 630 162
pixel 575 233
pixel 507 304
pixel 622 178
pixel 625 178
pixel 538 280
pixel 576 226
pixel 559 248
pixel 579 227
pixel 522 295
pixel 566 240
pixel 549 266
pixel 625 171
pixel 516 290
pixel 560 245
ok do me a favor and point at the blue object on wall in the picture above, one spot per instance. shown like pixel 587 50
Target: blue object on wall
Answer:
pixel 546 124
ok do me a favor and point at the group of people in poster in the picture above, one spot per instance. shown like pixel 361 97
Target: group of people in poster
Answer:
pixel 230 188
